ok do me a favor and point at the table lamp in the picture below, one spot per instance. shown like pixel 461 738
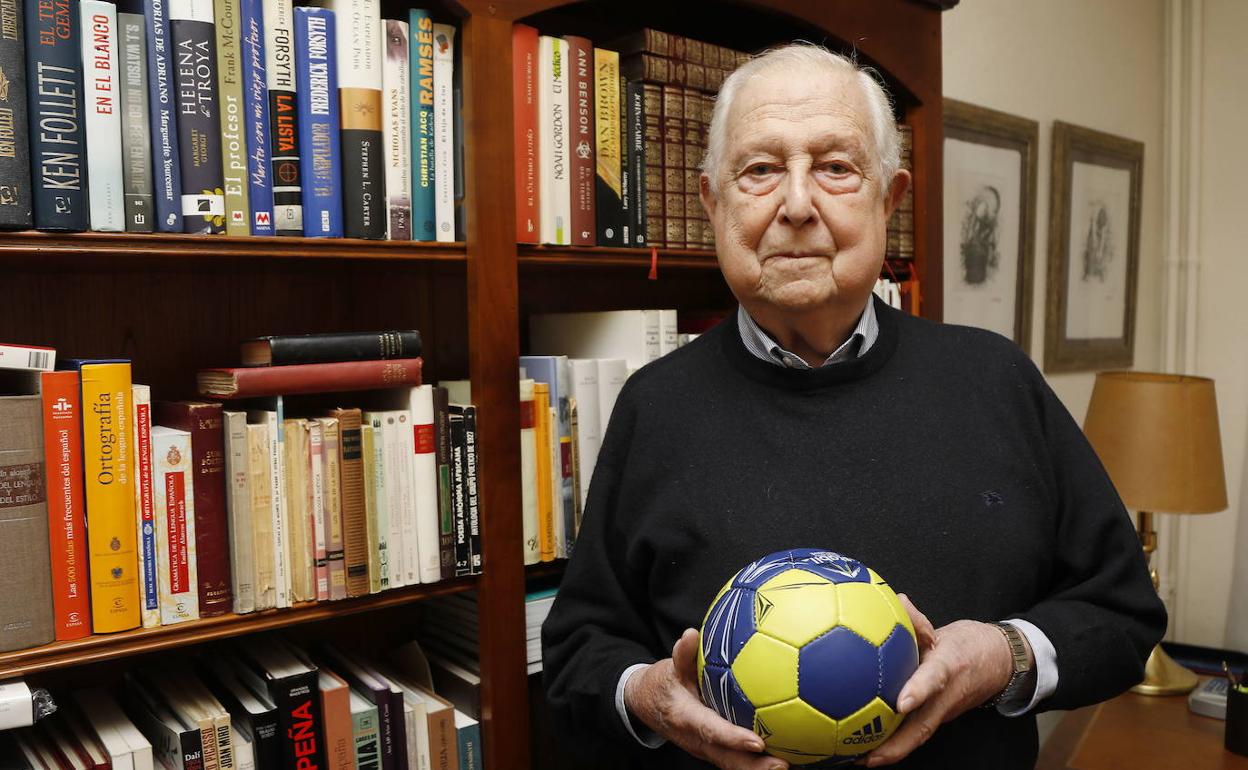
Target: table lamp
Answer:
pixel 1157 435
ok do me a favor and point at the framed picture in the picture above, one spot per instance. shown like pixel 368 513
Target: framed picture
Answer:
pixel 989 219
pixel 1094 250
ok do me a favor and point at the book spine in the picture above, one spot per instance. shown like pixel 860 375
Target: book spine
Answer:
pixel 333 511
pixel 316 93
pixel 297 698
pixel 260 492
pixel 424 216
pixel 136 129
pixel 279 512
pixel 233 132
pixel 360 83
pixel 555 187
pixel 141 429
pixel 366 346
pixel 692 161
pixel 545 499
pixel 15 199
pixel 283 117
pixel 365 737
pixel 397 141
pixel 443 127
pixel 446 527
pixel 26 616
pixel 580 66
pixel 672 125
pixel 62 442
pixel 238 499
pixel 425 482
pixel 524 63
pixel 528 473
pixel 317 378
pixel 472 500
pixel 374 494
pixel 393 501
pixel 608 205
pixel 56 104
pixel 108 463
pixel 648 164
pixel 162 106
pixel 316 503
pixel 194 53
pixel 101 84
pixel 355 533
pixel 175 515
pixel 459 468
pixel 294 462
pixel 256 117
pixel 403 451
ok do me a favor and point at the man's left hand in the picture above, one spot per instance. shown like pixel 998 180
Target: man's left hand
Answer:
pixel 965 664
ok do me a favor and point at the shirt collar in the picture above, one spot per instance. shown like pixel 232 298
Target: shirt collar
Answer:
pixel 762 346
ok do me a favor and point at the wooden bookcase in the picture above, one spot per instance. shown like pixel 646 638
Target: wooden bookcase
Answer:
pixel 175 303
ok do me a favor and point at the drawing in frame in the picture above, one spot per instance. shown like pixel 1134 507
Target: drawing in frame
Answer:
pixel 1094 250
pixel 989 219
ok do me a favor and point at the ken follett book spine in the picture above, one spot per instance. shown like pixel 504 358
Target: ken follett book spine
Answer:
pixel 279 24
pixel 316 92
pixel 57 136
pixel 15 201
pixel 194 51
pixel 424 217
pixel 233 135
pixel 256 117
pixel 580 66
pixel 359 87
pixel 162 107
pixel 106 197
pixel 136 130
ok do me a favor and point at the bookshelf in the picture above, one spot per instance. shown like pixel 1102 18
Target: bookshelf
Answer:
pixel 176 303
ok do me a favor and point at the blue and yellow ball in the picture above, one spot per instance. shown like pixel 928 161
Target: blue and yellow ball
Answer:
pixel 809 649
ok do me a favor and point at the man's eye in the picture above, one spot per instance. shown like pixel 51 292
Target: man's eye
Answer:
pixel 761 169
pixel 837 167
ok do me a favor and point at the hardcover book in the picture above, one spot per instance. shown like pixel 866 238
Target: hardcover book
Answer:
pixel 642 205
pixel 67 530
pixel 524 84
pixel 374 489
pixel 443 126
pixel 333 508
pixel 581 139
pixel 136 128
pixel 263 516
pixel 194 52
pixel 278 530
pixel 360 83
pixel 364 733
pixel 256 117
pixel 175 524
pixel 238 507
pixel 608 205
pixel 316 91
pixel 15 199
pixel 329 348
pixel 398 144
pixel 354 524
pixel 166 161
pixel 459 499
pixel 232 107
pixel 145 516
pixel 279 25
pixel 424 224
pixel 292 685
pixel 102 86
pixel 309 378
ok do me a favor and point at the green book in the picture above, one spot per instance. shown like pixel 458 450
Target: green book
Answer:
pixel 364 733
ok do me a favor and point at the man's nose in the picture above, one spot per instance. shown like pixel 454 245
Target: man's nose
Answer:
pixel 798 206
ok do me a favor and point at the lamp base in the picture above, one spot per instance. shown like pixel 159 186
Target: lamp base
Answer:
pixel 1162 676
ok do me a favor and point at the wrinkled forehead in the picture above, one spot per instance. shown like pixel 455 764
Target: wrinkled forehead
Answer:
pixel 784 104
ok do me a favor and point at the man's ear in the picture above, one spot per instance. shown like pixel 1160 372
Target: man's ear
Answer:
pixel 896 191
pixel 708 199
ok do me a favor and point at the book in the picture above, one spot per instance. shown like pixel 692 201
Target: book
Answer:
pixel 27 357
pixel 555 185
pixel 238 508
pixel 309 378
pixel 16 210
pixel 376 510
pixel 62 441
pixel 275 480
pixel 468 737
pixel 581 139
pixel 144 510
pixel 354 520
pixel 555 371
pixel 136 128
pixel 193 46
pixel 459 499
pixel 174 523
pixel 636 174
pixel 162 105
pixel 256 116
pixel 646 104
pixel 585 388
pixel 446 511
pixel 101 86
pixel 396 97
pixel 524 85
pixel 528 472
pixel 329 348
pixel 633 335
pixel 116 733
pixel 316 93
pixel 279 72
pixel 443 127
pixel 205 423
pixel 359 86
pixel 316 507
pixel 387 697
pixel 424 470
pixel 364 733
pixel 245 697
pixel 229 32
pixel 398 495
pixel 263 516
pixel 333 509
pixel 297 461
pixel 176 742
pixel 434 717
pixel 292 684
pixel 545 501
pixel 336 713
pixel 420 27
pixel 608 154
pixel 472 502
pixel 612 372
pixel 55 108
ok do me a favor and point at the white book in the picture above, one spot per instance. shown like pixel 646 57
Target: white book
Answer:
pixel 260 492
pixel 629 334
pixel 444 131
pixel 279 73
pixel 174 505
pixel 295 465
pixel 238 511
pixel 27 357
pixel 141 434
pixel 612 372
pixel 396 98
pixel 277 506
pixel 316 503
pixel 396 468
pixel 377 497
pixel 528 474
pixel 244 752
pixel 411 519
pixel 555 177
pixel 588 419
pixel 101 81
pixel 667 331
pixel 333 509
pixel 424 469
pixel 125 745
pixel 556 486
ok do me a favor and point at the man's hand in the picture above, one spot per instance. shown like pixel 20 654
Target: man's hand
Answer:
pixel 664 696
pixel 961 666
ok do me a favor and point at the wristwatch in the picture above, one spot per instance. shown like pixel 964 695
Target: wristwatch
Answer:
pixel 1022 663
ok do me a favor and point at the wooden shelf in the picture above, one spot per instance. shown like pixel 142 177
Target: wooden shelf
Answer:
pixel 99 647
pixel 183 246
pixel 603 256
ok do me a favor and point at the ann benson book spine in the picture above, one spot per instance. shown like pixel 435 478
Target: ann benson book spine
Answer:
pixel 58 143
pixel 199 121
pixel 424 217
pixel 360 83
pixel 105 182
pixel 582 175
pixel 136 129
pixel 233 136
pixel 164 122
pixel 316 93
pixel 256 117
pixel 67 530
pixel 398 143
pixel 283 117
pixel 15 201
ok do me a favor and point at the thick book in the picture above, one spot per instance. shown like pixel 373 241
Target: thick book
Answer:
pixel 260 492
pixel 332 492
pixel 136 127
pixel 144 510
pixel 446 509
pixel 309 378
pixel 528 472
pixel 329 348
pixel 238 508
pixel 459 501
pixel 633 335
pixel 232 106
pixel 581 139
pixel 316 93
pixel 277 533
pixel 115 730
pixel 205 423
pixel 244 694
pixel 555 182
pixel 424 469
pixel 15 199
pixel 396 96
pixel 641 203
pixel 292 684
pixel 336 713
pixel 524 85
pixel 174 504
pixel 608 154
pixel 472 501
pixel 175 743
pixel 27 357
pixel 444 130
pixel 256 117
pixel 384 695
pixel 67 531
pixel 420 27
pixel 163 110
pixel 295 461
pixel 468 736
pixel 359 87
pixel 354 525
pixel 194 51
pixel 56 104
pixel 279 30
pixel 105 180
pixel 545 484
pixel 555 371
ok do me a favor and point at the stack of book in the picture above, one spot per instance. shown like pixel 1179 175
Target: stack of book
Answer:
pixel 900 235
pixel 450 636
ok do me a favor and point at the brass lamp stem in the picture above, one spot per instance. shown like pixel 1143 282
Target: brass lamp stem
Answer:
pixel 1162 676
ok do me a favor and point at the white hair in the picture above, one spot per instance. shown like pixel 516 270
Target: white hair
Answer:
pixel 802 58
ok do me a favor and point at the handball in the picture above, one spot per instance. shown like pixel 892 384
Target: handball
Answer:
pixel 809 649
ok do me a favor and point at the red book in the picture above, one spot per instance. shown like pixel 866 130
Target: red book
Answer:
pixel 67 531
pixel 205 423
pixel 524 89
pixel 309 378
pixel 583 139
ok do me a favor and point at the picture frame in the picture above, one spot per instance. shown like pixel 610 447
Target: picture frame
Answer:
pixel 989 219
pixel 1094 250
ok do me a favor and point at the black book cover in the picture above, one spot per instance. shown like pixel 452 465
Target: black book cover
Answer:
pixel 637 163
pixel 363 164
pixel 15 201
pixel 459 501
pixel 135 119
pixel 626 172
pixel 231 682
pixel 471 499
pixel 297 697
pixel 58 150
pixel 446 508
pixel 194 46
pixel 283 118
pixel 329 348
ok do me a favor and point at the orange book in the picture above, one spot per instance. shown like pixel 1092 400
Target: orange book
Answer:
pixel 545 500
pixel 67 531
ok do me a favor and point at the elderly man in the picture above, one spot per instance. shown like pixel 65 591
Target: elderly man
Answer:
pixel 819 417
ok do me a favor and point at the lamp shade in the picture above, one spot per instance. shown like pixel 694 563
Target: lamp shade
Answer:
pixel 1157 435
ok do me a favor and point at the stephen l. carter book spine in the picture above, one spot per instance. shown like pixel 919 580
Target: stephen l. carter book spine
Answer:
pixel 316 93
pixel 15 202
pixel 424 218
pixel 162 104
pixel 359 84
pixel 279 24
pixel 199 119
pixel 256 118
pixel 105 183
pixel 57 139
pixel 233 135
pixel 136 128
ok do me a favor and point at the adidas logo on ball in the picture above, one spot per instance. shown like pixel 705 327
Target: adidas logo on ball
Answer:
pixel 868 733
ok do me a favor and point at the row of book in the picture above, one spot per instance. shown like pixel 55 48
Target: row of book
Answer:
pixel 249 117
pixel 263 704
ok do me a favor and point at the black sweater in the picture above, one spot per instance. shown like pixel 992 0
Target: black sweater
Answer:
pixel 940 458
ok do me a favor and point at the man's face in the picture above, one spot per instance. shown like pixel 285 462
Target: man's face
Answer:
pixel 800 216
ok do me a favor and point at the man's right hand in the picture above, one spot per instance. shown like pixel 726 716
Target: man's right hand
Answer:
pixel 664 696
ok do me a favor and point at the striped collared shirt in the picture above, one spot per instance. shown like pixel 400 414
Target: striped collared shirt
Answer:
pixel 762 346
